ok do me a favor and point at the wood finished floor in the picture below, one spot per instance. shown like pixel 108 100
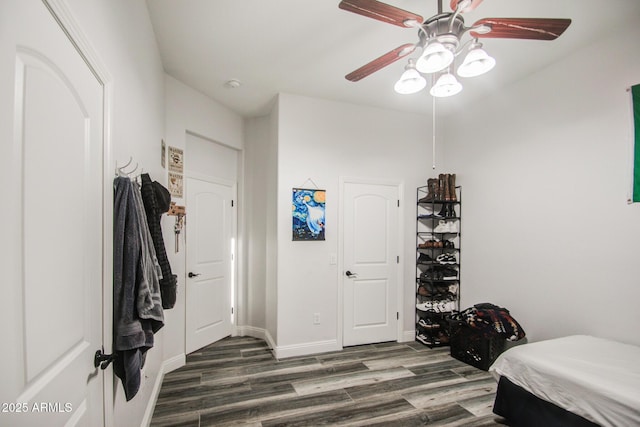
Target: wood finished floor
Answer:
pixel 237 381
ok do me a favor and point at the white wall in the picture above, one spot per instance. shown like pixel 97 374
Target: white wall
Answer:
pixel 120 32
pixel 259 304
pixel 325 140
pixel 272 227
pixel 544 166
pixel 256 156
pixel 188 111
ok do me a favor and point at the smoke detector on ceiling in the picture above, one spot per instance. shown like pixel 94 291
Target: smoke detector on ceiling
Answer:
pixel 232 84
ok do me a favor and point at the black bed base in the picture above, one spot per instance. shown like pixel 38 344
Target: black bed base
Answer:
pixel 522 409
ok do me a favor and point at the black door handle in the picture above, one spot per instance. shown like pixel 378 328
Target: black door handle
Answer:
pixel 350 274
pixel 102 360
pixel 193 274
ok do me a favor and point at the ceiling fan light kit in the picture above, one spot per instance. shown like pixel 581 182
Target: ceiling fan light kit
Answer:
pixel 476 63
pixel 446 85
pixel 435 57
pixel 440 38
pixel 411 80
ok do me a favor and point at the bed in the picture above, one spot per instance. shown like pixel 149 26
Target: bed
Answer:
pixel 572 381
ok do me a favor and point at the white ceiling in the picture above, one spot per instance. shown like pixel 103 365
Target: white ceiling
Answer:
pixel 306 47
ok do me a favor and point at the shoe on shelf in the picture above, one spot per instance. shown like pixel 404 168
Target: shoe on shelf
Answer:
pixel 432 188
pixel 429 289
pixel 442 227
pixel 428 324
pixel 443 306
pixel 450 211
pixel 431 243
pixel 444 211
pixel 448 244
pixel 441 194
pixel 431 274
pixel 430 213
pixel 446 258
pixel 449 274
pixel 453 227
pixel 452 187
pixel 426 340
pixel 443 337
pixel 425 306
pixel 424 259
pixel 423 291
pixel 448 190
pixel 429 216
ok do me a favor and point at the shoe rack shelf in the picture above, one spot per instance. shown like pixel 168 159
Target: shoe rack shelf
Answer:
pixel 438 237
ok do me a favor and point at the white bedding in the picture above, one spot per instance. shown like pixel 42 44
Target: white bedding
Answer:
pixel 592 377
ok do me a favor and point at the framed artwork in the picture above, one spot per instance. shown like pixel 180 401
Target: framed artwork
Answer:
pixel 176 159
pixel 308 211
pixel 163 154
pixel 635 99
pixel 175 184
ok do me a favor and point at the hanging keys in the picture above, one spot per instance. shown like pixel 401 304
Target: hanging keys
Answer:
pixel 177 228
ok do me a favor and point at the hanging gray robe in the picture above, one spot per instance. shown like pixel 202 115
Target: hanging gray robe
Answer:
pixel 132 336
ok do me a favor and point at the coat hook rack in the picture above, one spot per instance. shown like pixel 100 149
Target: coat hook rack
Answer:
pixel 120 170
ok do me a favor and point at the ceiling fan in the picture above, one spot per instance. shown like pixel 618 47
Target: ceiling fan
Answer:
pixel 440 38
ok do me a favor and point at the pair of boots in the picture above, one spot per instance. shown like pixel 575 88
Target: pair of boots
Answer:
pixel 441 189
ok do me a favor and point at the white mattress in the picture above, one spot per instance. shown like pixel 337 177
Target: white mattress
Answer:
pixel 592 377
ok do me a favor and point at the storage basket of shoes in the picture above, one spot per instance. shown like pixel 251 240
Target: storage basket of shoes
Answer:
pixel 474 347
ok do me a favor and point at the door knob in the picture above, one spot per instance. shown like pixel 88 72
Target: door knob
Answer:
pixel 350 274
pixel 102 360
pixel 193 274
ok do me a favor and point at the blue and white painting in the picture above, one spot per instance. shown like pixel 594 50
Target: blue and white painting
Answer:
pixel 308 214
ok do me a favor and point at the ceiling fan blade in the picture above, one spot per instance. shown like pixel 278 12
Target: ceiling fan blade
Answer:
pixel 522 28
pixel 381 62
pixel 382 12
pixel 473 5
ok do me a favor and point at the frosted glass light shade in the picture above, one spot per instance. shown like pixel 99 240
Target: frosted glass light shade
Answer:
pixel 476 62
pixel 435 57
pixel 446 85
pixel 410 82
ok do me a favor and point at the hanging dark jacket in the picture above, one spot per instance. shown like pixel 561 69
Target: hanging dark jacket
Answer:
pixel 157 201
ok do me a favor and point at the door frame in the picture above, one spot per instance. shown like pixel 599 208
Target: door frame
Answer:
pixel 62 14
pixel 399 184
pixel 234 258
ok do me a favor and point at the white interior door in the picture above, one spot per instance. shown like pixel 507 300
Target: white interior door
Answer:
pixel 210 225
pixel 370 261
pixel 51 110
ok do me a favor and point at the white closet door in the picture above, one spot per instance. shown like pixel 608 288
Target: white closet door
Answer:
pixel 370 218
pixel 51 110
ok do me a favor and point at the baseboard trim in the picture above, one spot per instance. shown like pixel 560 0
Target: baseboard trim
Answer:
pixel 408 336
pixel 282 352
pixel 269 339
pixel 260 333
pixel 166 367
pixel 250 331
pixel 174 363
